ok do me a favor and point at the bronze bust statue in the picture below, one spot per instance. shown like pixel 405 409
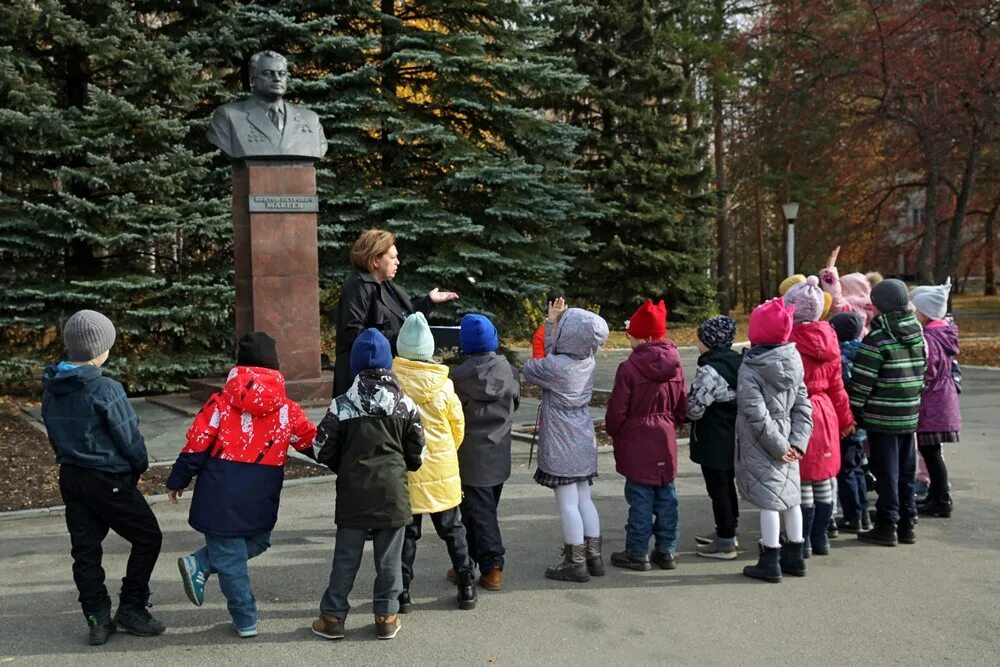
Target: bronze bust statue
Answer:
pixel 264 125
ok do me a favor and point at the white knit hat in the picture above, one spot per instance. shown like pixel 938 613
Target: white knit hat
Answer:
pixel 931 300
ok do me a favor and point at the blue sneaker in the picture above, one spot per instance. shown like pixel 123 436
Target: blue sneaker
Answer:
pixel 194 579
pixel 246 633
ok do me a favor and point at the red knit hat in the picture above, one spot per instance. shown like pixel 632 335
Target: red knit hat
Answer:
pixel 650 321
pixel 771 323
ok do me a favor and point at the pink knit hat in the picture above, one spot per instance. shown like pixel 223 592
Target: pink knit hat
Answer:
pixel 858 293
pixel 807 298
pixel 771 322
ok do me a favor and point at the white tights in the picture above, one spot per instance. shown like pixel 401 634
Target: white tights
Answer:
pixel 770 526
pixel 579 516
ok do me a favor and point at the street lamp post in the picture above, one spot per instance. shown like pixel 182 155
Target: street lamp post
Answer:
pixel 791 211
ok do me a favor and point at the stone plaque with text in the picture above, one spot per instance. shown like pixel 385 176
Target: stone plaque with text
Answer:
pixel 284 204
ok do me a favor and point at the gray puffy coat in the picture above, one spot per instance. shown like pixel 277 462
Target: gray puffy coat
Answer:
pixel 773 415
pixel 490 393
pixel 567 446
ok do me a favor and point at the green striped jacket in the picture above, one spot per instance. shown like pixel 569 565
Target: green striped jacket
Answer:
pixel 888 375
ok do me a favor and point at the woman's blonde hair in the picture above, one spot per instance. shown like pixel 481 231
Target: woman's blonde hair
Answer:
pixel 371 245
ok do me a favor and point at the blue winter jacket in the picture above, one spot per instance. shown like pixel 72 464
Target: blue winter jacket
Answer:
pixel 849 350
pixel 90 422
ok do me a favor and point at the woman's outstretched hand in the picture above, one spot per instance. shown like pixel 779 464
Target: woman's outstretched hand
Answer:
pixel 437 296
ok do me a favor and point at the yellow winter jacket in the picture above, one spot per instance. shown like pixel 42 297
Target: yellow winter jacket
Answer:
pixel 436 486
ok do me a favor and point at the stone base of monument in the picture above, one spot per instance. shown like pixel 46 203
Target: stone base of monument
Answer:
pixel 309 392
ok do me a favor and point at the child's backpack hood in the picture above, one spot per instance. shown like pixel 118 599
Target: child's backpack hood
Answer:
pixel 779 366
pixel 902 326
pixel 816 340
pixel 63 378
pixel 479 379
pixel 375 392
pixel 254 390
pixel 658 361
pixel 423 381
pixel 580 333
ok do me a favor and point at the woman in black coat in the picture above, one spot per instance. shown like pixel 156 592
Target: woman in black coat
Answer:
pixel 370 299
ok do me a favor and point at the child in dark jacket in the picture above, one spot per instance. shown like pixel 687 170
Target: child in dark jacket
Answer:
pixel 852 486
pixel 886 384
pixel 647 403
pixel 370 437
pixel 237 447
pixel 712 412
pixel 940 416
pixel 101 454
pixel 490 394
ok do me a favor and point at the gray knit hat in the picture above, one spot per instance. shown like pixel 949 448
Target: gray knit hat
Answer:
pixel 87 335
pixel 890 295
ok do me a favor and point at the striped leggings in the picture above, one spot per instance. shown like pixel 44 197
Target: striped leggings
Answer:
pixel 817 492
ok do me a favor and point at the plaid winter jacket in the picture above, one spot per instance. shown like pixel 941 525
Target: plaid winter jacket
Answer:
pixel 888 375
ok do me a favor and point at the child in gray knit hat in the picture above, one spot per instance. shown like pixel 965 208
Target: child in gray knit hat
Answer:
pixel 101 454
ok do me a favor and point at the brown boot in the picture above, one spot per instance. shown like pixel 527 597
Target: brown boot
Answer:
pixel 328 627
pixel 386 627
pixel 492 580
pixel 595 562
pixel 573 567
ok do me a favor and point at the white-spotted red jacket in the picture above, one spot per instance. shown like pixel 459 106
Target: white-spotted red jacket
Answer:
pixel 237 447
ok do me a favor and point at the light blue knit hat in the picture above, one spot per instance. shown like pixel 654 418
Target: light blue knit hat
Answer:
pixel 415 341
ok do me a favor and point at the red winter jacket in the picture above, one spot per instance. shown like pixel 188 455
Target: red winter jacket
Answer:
pixel 649 400
pixel 831 409
pixel 237 448
pixel 538 343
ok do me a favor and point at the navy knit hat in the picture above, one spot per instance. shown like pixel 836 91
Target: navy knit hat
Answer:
pixel 848 325
pixel 718 331
pixel 478 334
pixel 370 350
pixel 257 349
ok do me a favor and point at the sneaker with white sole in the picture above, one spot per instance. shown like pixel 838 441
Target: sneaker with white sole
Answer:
pixel 709 539
pixel 387 627
pixel 722 550
pixel 193 578
pixel 246 633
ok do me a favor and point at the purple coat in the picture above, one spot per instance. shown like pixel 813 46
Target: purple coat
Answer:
pixel 939 411
pixel 648 402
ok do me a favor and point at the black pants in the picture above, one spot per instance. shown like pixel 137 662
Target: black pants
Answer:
pixel 449 529
pixel 893 461
pixel 721 486
pixel 482 530
pixel 95 503
pixel 938 472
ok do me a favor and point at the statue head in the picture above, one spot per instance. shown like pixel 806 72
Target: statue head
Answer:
pixel 268 75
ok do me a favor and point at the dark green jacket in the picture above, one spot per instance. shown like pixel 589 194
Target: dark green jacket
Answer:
pixel 713 421
pixel 888 375
pixel 370 437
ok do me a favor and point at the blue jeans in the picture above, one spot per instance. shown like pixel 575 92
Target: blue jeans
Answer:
pixel 852 487
pixel 652 510
pixel 227 557
pixel 347 553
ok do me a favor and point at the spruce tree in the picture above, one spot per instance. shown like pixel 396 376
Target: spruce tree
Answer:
pixel 107 197
pixel 645 159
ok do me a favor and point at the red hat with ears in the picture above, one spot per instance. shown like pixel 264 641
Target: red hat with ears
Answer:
pixel 650 321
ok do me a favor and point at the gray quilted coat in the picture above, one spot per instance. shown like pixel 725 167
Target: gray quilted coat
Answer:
pixel 773 415
pixel 566 443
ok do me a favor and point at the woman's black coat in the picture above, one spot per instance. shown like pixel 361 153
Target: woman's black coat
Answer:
pixel 366 303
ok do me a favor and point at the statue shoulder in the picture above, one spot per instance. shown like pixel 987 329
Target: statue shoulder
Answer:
pixel 307 115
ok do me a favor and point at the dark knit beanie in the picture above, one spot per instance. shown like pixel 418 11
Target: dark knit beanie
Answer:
pixel 848 325
pixel 890 295
pixel 370 351
pixel 257 349
pixel 478 335
pixel 718 331
pixel 87 335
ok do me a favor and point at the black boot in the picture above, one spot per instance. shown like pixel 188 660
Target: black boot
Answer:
pixel 905 533
pixel 101 627
pixel 819 540
pixel 808 515
pixel 466 582
pixel 134 618
pixel 573 567
pixel 767 567
pixel 883 534
pixel 638 563
pixel 405 604
pixel 595 562
pixel 792 562
pixel 936 508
